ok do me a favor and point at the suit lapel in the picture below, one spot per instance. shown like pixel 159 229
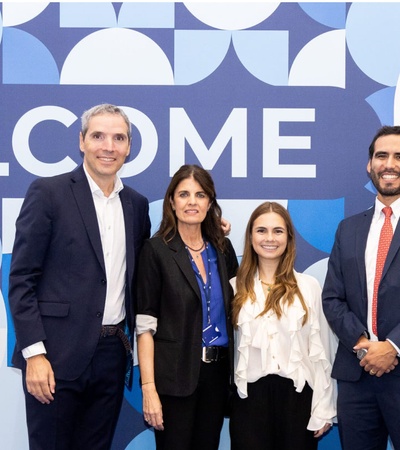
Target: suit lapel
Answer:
pixel 393 249
pixel 362 236
pixel 127 209
pixel 183 262
pixel 361 243
pixel 84 199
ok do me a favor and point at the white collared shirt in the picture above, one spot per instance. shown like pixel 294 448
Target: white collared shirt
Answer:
pixel 371 252
pixel 110 218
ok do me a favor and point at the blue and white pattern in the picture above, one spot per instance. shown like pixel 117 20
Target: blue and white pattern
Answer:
pixel 277 100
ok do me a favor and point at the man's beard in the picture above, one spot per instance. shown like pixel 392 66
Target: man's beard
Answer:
pixel 384 191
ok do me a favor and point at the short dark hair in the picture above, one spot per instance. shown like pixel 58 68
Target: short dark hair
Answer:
pixel 386 130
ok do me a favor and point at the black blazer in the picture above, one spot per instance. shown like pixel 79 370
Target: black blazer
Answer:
pixel 344 296
pixel 168 290
pixel 57 278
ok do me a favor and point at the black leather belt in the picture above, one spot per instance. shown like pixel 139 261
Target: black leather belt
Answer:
pixel 214 353
pixel 111 330
pixel 116 330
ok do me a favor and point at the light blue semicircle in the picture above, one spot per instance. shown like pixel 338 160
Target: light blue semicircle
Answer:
pixel 265 54
pixel 317 220
pixel 198 53
pixel 373 40
pixel 26 60
pixel 382 103
pixel 144 440
pixel 329 13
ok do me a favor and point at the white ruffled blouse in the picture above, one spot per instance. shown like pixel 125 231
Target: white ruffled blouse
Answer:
pixel 267 345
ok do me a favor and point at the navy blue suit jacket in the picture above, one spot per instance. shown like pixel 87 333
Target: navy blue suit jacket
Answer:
pixel 57 278
pixel 344 295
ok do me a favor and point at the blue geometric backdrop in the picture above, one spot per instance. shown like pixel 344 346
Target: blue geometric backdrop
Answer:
pixel 277 100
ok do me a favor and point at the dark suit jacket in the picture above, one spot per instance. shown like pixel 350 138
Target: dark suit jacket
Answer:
pixel 344 295
pixel 168 290
pixel 57 278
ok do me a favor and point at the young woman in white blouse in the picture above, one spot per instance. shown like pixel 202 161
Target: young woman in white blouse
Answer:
pixel 285 394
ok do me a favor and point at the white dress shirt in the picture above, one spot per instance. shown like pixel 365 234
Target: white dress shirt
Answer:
pixel 110 218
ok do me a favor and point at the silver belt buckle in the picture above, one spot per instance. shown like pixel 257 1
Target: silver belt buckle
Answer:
pixel 204 355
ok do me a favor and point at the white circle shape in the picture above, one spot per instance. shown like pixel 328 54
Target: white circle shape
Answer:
pixel 231 16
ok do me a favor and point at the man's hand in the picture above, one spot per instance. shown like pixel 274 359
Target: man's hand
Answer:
pixel 40 381
pixel 381 357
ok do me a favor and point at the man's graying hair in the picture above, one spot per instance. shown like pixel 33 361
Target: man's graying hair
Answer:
pixel 105 108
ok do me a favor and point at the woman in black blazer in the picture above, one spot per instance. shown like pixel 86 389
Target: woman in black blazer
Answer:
pixel 183 327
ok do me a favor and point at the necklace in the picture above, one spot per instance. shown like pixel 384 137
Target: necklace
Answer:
pixel 269 285
pixel 194 249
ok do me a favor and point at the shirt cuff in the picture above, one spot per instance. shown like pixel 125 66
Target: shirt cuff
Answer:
pixel 145 323
pixel 316 423
pixel 395 347
pixel 35 349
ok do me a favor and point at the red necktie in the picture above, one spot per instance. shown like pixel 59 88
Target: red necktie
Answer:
pixel 384 243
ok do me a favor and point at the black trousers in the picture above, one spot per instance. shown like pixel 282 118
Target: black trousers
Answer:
pixel 195 422
pixel 84 412
pixel 273 417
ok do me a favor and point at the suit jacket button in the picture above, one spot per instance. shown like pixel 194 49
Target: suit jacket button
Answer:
pixel 103 281
pixel 99 314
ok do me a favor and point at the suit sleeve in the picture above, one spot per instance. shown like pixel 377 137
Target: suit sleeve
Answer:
pixel 149 282
pixel 146 228
pixel 32 239
pixel 343 320
pixel 231 259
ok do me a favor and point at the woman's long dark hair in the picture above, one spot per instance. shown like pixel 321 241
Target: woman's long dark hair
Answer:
pixel 211 225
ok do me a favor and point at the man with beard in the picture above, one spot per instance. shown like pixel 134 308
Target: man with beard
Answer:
pixel 361 300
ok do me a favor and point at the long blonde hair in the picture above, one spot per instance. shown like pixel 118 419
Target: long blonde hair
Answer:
pixel 285 287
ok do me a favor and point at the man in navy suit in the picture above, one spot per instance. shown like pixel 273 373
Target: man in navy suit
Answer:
pixel 77 239
pixel 366 364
